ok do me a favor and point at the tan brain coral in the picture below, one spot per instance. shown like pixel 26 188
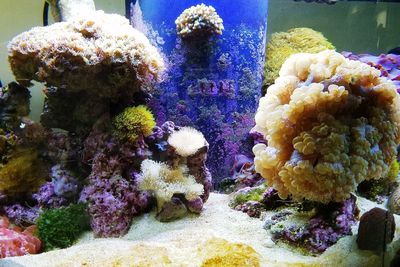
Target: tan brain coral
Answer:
pixel 330 123
pixel 99 51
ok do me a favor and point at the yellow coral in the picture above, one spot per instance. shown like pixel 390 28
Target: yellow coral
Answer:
pixel 330 124
pixel 165 182
pixel 23 173
pixel 134 122
pixel 393 171
pixel 284 44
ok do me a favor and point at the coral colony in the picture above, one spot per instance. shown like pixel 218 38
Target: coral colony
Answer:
pixel 315 160
pixel 114 141
pixel 284 44
pixel 107 161
pixel 330 123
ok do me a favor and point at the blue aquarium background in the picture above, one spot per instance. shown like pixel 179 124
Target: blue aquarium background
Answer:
pixel 211 84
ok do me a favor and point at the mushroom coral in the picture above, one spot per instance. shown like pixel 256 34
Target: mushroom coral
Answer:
pixel 330 124
pixel 284 44
pixel 98 52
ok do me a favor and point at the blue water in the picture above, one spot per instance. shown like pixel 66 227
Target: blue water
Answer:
pixel 213 85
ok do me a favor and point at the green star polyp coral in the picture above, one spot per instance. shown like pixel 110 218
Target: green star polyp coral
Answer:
pixel 134 122
pixel 330 123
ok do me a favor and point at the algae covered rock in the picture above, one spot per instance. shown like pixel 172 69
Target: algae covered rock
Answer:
pixel 24 173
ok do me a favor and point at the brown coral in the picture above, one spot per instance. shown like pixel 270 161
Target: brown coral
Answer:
pixel 330 123
pixel 199 20
pixel 98 52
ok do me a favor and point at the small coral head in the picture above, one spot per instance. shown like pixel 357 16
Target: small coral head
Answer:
pixel 133 122
pixel 187 141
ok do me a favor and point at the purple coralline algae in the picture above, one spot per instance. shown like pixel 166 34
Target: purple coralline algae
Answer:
pixel 111 195
pixel 47 198
pixel 61 191
pixel 387 64
pixel 329 224
pixel 112 203
pixel 21 215
pixel 252 208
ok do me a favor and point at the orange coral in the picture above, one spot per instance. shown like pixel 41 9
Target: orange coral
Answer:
pixel 330 123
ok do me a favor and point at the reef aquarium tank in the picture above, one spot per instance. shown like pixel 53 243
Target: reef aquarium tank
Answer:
pixel 199 133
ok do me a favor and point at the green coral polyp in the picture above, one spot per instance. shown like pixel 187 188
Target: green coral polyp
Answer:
pixel 254 194
pixel 393 171
pixel 60 228
pixel 133 122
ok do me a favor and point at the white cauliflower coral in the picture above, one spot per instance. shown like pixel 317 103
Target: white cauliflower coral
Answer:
pixel 99 52
pixel 199 20
pixel 165 181
pixel 330 124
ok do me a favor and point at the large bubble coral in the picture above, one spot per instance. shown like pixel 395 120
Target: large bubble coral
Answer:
pixel 199 20
pixel 97 52
pixel 330 124
pixel 284 44
pixel 134 122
